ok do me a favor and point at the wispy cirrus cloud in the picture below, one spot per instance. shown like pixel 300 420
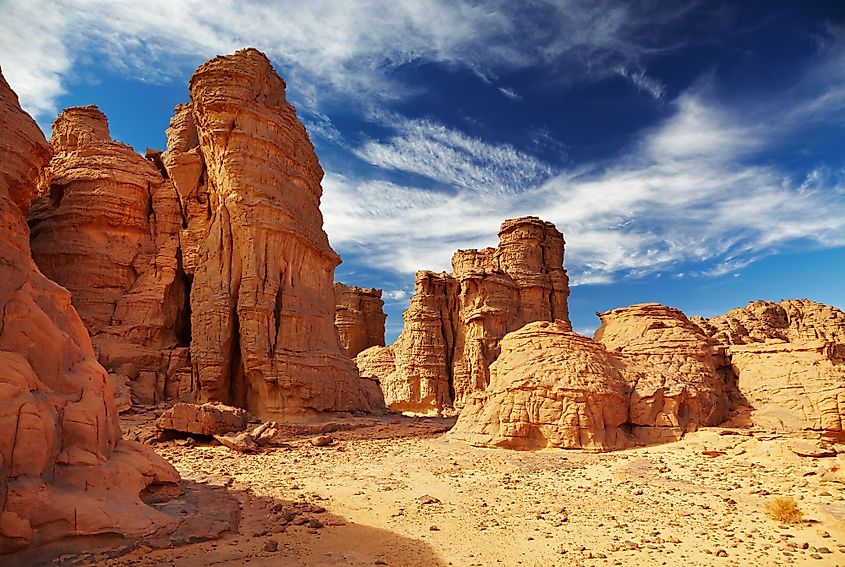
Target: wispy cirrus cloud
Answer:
pixel 330 50
pixel 690 190
pixel 642 81
pixel 449 156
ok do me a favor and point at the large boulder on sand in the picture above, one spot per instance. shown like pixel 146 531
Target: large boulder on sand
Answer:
pixel 549 387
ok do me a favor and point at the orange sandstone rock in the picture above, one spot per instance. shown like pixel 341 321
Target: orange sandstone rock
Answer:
pixel 785 362
pixel 63 468
pixel 262 300
pixel 549 387
pixel 670 369
pixel 359 317
pixel 106 227
pixel 455 321
pixel 205 419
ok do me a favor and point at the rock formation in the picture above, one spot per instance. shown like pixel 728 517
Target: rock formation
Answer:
pixel 669 367
pixel 205 419
pixel 359 317
pixel 106 227
pixel 63 468
pixel 262 305
pixel 549 387
pixel 455 321
pixel 784 362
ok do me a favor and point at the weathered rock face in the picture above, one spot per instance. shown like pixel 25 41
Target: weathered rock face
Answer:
pixel 262 302
pixel 669 366
pixel 549 387
pixel 791 320
pixel 421 380
pixel 359 317
pixel 455 321
pixel 205 419
pixel 63 468
pixel 785 362
pixel 106 227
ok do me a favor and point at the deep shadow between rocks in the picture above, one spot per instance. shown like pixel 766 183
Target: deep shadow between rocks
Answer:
pixel 203 511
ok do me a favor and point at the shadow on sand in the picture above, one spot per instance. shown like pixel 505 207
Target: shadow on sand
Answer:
pixel 256 531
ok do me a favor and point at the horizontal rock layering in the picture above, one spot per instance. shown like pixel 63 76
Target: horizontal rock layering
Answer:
pixel 359 317
pixel 203 271
pixel 262 299
pixel 455 321
pixel 106 227
pixel 63 468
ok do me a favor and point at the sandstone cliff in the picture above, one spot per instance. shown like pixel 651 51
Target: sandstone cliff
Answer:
pixel 359 317
pixel 549 387
pixel 262 301
pixel 455 321
pixel 669 367
pixel 784 362
pixel 63 468
pixel 106 227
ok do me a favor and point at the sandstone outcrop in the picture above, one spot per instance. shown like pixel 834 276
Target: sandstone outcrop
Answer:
pixel 670 369
pixel 106 227
pixel 784 362
pixel 205 419
pixel 549 387
pixel 262 300
pixel 63 468
pixel 359 317
pixel 455 321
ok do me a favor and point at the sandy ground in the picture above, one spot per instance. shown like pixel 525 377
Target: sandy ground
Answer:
pixel 393 492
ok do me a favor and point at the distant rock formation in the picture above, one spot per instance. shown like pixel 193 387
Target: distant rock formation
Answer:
pixel 106 227
pixel 262 301
pixel 359 317
pixel 648 377
pixel 549 387
pixel 784 362
pixel 63 468
pixel 652 375
pixel 455 321
pixel 669 367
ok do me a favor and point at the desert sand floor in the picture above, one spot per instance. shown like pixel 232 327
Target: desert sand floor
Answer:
pixel 393 492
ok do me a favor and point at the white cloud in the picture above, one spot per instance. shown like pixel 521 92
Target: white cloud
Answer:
pixel 688 191
pixel 510 93
pixel 395 295
pixel 327 49
pixel 449 156
pixel 643 82
pixel 33 56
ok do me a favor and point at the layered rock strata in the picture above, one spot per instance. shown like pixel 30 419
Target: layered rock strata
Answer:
pixel 262 299
pixel 669 367
pixel 455 321
pixel 106 227
pixel 359 317
pixel 784 362
pixel 63 468
pixel 549 387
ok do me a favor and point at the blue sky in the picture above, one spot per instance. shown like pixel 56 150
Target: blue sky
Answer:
pixel 693 153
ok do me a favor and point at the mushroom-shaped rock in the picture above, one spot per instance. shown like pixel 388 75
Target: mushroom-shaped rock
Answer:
pixel 669 367
pixel 549 387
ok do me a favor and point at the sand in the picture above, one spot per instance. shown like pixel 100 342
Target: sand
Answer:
pixel 391 491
